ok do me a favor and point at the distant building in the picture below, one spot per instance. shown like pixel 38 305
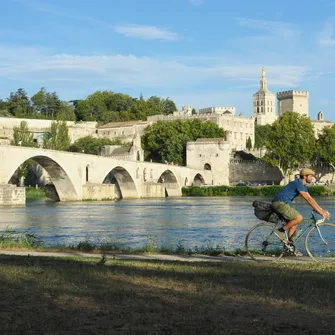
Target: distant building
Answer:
pixel 294 101
pixel 218 110
pixel 264 103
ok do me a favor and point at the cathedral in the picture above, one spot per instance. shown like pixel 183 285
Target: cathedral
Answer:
pixel 264 105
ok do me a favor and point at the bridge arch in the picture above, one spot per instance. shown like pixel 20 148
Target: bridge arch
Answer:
pixel 64 189
pixel 124 183
pixel 170 182
pixel 198 180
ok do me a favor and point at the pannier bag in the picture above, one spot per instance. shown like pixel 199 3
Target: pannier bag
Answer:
pixel 264 212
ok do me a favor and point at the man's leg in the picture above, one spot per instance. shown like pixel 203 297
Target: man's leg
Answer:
pixel 291 226
pixel 290 214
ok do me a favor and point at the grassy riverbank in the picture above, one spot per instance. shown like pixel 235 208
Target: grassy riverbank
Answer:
pixel 34 193
pixel 13 240
pixel 266 191
pixel 99 296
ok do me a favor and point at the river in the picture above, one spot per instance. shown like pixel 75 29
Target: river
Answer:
pixel 190 222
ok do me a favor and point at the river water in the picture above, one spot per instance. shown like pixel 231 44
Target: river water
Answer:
pixel 168 222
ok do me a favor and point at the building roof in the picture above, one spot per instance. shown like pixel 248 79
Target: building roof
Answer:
pixel 210 139
pixel 120 151
pixel 123 124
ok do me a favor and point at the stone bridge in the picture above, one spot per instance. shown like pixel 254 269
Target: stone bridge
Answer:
pixel 72 174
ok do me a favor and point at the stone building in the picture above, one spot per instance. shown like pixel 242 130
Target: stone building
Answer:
pixel 294 100
pixel 210 154
pixel 264 103
pixel 131 152
pixel 238 128
pixel 125 131
pixel 218 110
pixel 320 123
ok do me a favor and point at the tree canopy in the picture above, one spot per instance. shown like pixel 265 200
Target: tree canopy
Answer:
pixel 166 140
pixel 291 143
pixel 59 139
pixel 326 146
pixel 101 106
pixel 261 135
pixel 91 145
pixel 22 135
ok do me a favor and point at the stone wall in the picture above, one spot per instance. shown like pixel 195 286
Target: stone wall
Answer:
pixel 98 191
pixel 153 190
pixel 241 171
pixel 11 195
pixel 76 129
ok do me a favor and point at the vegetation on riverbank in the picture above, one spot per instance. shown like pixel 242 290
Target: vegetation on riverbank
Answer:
pixel 11 239
pixel 34 193
pixel 266 191
pixel 105 295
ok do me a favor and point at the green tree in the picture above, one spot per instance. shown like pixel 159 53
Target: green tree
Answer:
pixel 19 103
pixel 261 135
pixel 249 143
pixel 291 143
pixel 166 140
pixel 326 146
pixel 91 145
pixel 60 139
pixel 194 112
pixel 38 100
pixel 23 136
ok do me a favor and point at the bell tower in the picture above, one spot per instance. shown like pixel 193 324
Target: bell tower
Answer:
pixel 264 103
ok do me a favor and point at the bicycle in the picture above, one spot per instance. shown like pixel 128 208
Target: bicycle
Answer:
pixel 262 243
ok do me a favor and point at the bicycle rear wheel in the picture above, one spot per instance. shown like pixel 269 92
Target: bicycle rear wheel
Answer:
pixel 262 244
pixel 317 249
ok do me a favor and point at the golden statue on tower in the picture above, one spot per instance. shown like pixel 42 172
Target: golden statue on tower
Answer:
pixel 263 72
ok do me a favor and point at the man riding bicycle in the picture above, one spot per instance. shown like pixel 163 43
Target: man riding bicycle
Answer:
pixel 281 203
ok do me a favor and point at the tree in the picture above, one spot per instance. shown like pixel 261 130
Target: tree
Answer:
pixel 249 143
pixel 166 140
pixel 60 139
pixel 18 102
pixel 38 100
pixel 326 146
pixel 22 135
pixel 194 112
pixel 291 143
pixel 91 145
pixel 261 135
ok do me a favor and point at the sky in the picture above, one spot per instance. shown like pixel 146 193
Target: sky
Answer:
pixel 201 53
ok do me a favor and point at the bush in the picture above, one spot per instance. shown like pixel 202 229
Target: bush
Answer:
pixel 266 191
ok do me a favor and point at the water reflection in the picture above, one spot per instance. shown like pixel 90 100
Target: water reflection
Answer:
pixel 215 221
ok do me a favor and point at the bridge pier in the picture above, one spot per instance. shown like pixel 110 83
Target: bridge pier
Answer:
pixel 12 195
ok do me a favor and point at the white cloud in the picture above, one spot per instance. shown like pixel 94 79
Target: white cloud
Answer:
pixel 196 2
pixel 130 70
pixel 147 32
pixel 274 27
pixel 327 35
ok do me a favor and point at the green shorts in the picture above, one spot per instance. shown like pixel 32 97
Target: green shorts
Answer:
pixel 288 212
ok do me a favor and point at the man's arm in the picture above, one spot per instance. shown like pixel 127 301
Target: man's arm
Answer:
pixel 314 204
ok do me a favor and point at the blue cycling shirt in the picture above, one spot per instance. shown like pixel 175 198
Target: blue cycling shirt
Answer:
pixel 290 191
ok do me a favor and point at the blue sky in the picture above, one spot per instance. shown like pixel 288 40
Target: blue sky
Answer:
pixel 196 52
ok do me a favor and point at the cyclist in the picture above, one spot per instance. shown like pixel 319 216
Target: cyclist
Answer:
pixel 281 203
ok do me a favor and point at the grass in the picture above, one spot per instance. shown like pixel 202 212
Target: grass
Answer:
pixel 11 239
pixel 33 193
pixel 41 295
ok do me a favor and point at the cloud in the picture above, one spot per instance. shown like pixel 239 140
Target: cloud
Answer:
pixel 38 65
pixel 196 2
pixel 273 27
pixel 327 35
pixel 147 32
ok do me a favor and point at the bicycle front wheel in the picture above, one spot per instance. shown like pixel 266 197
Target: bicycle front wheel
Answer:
pixel 262 244
pixel 320 243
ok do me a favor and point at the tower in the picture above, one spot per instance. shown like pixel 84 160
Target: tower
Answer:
pixel 293 101
pixel 264 106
